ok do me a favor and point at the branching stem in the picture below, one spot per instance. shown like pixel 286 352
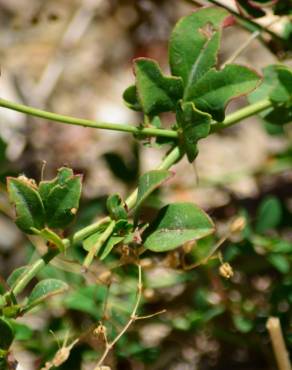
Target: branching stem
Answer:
pixel 168 161
pixel 132 319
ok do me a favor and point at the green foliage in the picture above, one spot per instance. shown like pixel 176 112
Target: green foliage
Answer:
pixel 7 334
pixel 63 202
pixel 196 89
pixel 194 125
pixel 180 238
pixel 269 214
pixel 50 236
pixel 16 275
pixel 175 225
pixel 116 207
pixel 194 44
pixel 130 98
pixel 149 182
pixel 277 86
pixel 28 204
pixel 216 88
pixel 44 290
pixel 156 92
pixel 53 203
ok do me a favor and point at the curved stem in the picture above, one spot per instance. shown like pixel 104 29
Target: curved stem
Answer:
pixel 168 161
pixel 149 131
pixel 30 273
pixel 241 114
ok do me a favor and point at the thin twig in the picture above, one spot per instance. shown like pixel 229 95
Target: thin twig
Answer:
pixel 247 42
pixel 210 254
pixel 279 347
pixel 132 319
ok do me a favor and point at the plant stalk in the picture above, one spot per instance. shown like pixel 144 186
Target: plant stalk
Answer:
pixel 102 239
pixel 168 161
pixel 148 131
pixel 31 273
pixel 241 114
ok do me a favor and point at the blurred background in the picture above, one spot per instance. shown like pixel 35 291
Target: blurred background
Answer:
pixel 74 57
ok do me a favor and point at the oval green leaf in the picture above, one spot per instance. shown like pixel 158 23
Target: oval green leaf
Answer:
pixel 7 334
pixel 177 224
pixel 212 92
pixel 28 204
pixel 149 182
pixel 194 44
pixel 45 289
pixel 63 202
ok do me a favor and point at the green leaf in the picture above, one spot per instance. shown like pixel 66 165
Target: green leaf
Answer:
pixel 194 44
pixel 22 331
pixel 215 89
pixel 280 262
pixel 116 207
pixel 242 324
pixel 269 214
pixel 276 85
pixel 282 92
pixel 89 242
pixel 15 275
pixel 110 244
pixel 7 334
pixel 52 237
pixel 44 290
pixel 28 204
pixel 64 174
pixel 149 182
pixel 113 240
pixel 156 93
pixel 194 125
pixel 131 99
pixel 63 202
pixel 177 224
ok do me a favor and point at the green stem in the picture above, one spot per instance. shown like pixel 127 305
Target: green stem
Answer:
pixel 241 114
pixel 88 230
pixel 31 273
pixel 168 161
pixel 102 239
pixel 151 131
pixel 230 120
pixel 174 155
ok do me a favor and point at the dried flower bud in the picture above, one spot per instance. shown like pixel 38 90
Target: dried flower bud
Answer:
pixel 226 270
pixel 237 225
pixel 187 247
pixel 100 331
pixel 148 293
pixel 29 182
pixel 105 277
pixel 73 211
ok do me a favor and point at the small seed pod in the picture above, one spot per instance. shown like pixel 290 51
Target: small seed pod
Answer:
pixel 29 182
pixel 226 270
pixel 105 277
pixel 237 225
pixel 73 211
pixel 100 331
pixel 187 247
